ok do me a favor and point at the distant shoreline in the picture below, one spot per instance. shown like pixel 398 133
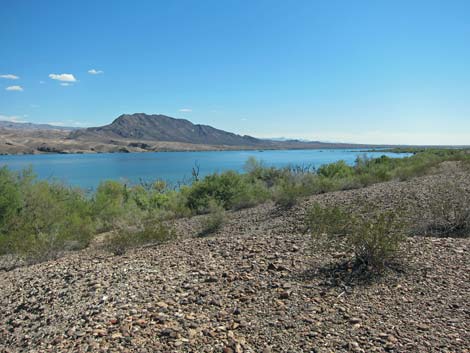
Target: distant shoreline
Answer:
pixel 38 153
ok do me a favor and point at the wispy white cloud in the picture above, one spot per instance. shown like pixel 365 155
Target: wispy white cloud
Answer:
pixel 66 84
pixel 14 88
pixel 11 118
pixel 95 72
pixel 71 123
pixel 34 105
pixel 57 123
pixel 10 77
pixel 63 77
pixel 185 110
pixel 42 82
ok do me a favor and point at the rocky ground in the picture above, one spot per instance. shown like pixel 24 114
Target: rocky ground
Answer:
pixel 255 286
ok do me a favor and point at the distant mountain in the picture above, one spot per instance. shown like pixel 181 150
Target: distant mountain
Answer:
pixel 143 127
pixel 284 139
pixel 143 131
pixel 139 133
pixel 30 126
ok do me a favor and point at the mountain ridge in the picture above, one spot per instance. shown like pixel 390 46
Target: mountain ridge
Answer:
pixel 159 127
pixel 142 132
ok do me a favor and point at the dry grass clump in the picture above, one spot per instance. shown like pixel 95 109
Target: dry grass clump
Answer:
pixel 150 231
pixel 374 239
pixel 448 212
pixel 214 220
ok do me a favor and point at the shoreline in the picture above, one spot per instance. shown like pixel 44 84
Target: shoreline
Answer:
pixel 240 149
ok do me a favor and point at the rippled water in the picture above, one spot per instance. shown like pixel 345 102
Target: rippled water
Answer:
pixel 87 170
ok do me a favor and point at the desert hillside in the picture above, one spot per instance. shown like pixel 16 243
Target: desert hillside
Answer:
pixel 137 133
pixel 255 285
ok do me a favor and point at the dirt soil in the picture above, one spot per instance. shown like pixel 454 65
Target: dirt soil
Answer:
pixel 255 286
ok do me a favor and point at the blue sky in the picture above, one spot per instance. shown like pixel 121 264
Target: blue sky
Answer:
pixel 359 71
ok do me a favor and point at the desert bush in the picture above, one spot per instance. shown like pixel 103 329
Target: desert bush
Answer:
pixel 147 231
pixel 177 204
pixel 49 219
pixel 286 194
pixel 448 212
pixel 258 172
pixel 332 221
pixel 109 203
pixel 222 188
pixel 253 193
pixel 214 220
pixel 336 170
pixel 9 196
pixel 374 239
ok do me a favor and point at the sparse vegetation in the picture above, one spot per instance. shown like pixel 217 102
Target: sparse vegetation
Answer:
pixel 148 231
pixel 214 220
pixel 373 238
pixel 447 215
pixel 41 219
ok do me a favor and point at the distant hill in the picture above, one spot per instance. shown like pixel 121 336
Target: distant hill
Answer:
pixel 140 133
pixel 30 126
pixel 164 128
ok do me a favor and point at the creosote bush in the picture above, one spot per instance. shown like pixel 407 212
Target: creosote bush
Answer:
pixel 374 239
pixel 148 231
pixel 214 220
pixel 40 220
pixel 448 214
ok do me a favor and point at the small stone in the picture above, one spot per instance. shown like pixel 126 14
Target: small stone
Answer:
pixel 422 327
pixel 167 332
pixel 215 302
pixel 354 320
pixel 141 323
pixel 100 332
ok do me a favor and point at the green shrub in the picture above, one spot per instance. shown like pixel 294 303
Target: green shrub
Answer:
pixel 448 212
pixel 9 196
pixel 109 203
pixel 331 221
pixel 250 195
pixel 213 221
pixel 177 204
pixel 337 169
pixel 49 220
pixel 148 231
pixel 373 238
pixel 286 194
pixel 223 188
pixel 269 176
pixel 376 241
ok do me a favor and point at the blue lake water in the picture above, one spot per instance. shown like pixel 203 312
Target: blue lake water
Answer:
pixel 87 170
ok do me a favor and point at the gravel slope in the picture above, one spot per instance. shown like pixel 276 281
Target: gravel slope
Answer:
pixel 256 286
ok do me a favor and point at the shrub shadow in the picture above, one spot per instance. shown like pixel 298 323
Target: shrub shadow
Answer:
pixel 348 274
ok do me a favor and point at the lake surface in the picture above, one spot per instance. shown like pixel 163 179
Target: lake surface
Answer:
pixel 87 170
